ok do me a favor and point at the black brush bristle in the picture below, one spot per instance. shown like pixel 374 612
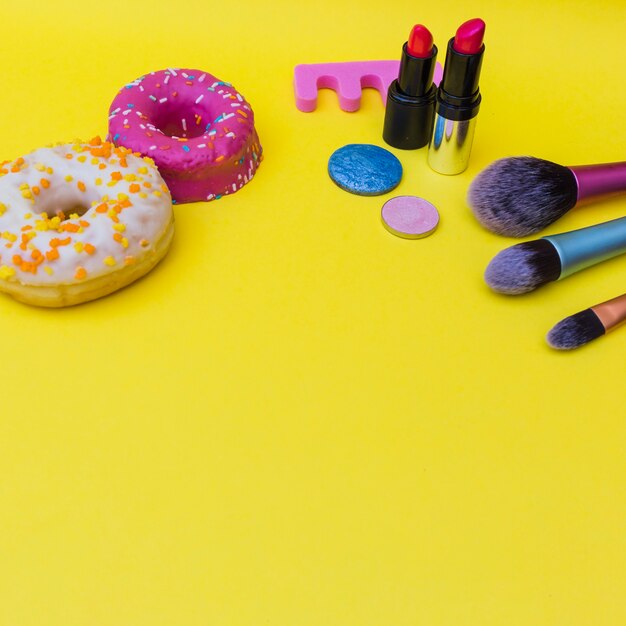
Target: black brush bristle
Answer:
pixel 576 330
pixel 520 196
pixel 523 267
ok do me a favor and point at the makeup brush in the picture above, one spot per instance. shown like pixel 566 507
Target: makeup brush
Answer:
pixel 520 196
pixel 577 330
pixel 526 266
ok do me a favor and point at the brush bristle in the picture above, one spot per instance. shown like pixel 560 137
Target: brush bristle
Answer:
pixel 520 196
pixel 575 331
pixel 523 267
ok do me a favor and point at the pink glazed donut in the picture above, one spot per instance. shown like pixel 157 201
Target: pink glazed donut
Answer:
pixel 198 130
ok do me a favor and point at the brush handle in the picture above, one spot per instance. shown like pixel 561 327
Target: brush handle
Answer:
pixel 584 247
pixel 598 180
pixel 611 313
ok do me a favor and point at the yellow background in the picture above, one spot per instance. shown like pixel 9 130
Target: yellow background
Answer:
pixel 298 419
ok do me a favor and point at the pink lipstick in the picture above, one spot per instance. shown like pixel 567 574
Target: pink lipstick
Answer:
pixel 411 98
pixel 458 100
pixel 469 37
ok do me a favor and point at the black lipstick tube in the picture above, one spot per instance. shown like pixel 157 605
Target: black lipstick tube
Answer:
pixel 458 102
pixel 411 102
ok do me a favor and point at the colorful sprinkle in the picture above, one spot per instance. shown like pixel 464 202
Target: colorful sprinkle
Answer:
pixel 6 272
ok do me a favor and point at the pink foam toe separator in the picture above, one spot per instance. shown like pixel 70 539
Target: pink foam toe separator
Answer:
pixel 347 80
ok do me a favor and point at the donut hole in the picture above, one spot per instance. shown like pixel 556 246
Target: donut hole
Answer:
pixel 58 203
pixel 64 214
pixel 186 121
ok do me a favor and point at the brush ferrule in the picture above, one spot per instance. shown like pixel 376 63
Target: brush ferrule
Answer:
pixel 579 249
pixel 611 313
pixel 599 180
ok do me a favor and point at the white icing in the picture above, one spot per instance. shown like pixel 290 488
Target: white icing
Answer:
pixel 124 242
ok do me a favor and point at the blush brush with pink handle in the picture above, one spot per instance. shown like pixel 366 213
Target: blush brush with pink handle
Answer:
pixel 519 196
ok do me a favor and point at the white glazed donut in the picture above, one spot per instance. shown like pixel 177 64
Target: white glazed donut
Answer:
pixel 79 221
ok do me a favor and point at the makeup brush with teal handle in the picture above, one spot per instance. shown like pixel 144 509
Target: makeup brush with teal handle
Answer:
pixel 526 266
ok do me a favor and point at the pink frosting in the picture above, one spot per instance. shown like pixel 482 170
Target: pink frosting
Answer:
pixel 198 129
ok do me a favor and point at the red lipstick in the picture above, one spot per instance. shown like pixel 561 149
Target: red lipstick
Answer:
pixel 411 98
pixel 458 100
pixel 469 37
pixel 420 43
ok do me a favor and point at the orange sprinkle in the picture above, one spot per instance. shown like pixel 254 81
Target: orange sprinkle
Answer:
pixel 116 176
pixel 102 208
pixel 96 141
pixel 83 223
pixel 45 183
pixel 102 166
pixel 81 273
pixel 102 151
pixel 27 227
pixel 36 255
pixel 89 249
pixel 123 162
pixel 53 254
pixel 69 155
pixel 134 188
pixel 56 242
pixel 147 185
pixel 17 259
pixel 70 228
pixel 117 237
pixel 36 190
pixel 81 186
pixel 19 161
